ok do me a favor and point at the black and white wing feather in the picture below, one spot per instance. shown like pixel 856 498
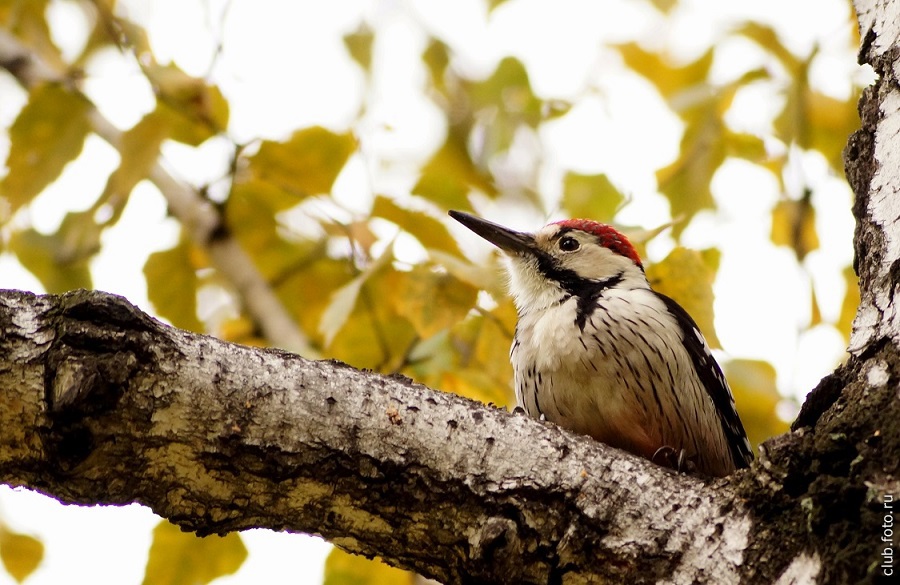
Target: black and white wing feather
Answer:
pixel 714 381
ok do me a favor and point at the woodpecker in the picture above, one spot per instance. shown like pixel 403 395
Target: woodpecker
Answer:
pixel 598 352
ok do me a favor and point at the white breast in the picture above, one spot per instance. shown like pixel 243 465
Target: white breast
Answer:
pixel 626 379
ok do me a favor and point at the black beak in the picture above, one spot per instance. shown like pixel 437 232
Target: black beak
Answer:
pixel 504 238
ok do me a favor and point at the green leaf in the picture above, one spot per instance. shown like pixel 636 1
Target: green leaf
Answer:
pixel 687 277
pixel 590 196
pixel 48 133
pixel 181 558
pixel 60 260
pixel 343 568
pixel 172 286
pixel 430 232
pixel 21 554
pixel 306 164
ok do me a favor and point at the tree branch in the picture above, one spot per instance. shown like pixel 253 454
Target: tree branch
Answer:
pixel 106 405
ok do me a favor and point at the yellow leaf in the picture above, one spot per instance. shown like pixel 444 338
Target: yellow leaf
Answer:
pixel 850 304
pixel 756 397
pixel 687 278
pixel 343 568
pixel 745 146
pixel 436 58
pixel 196 110
pixel 482 277
pixel 591 196
pixel 305 301
pixel 503 104
pixel 509 90
pixel 432 301
pixel 251 216
pixel 359 45
pixel 664 6
pixel 430 232
pixel 483 342
pixel 766 37
pixel 139 150
pixel 374 335
pixel 28 22
pixel 685 182
pixel 447 178
pixel 241 330
pixel 48 133
pixel 172 286
pixel 794 225
pixel 343 300
pixel 831 121
pixel 478 385
pixel 181 558
pixel 306 164
pixel 669 79
pixel 814 311
pixel 58 266
pixel 21 554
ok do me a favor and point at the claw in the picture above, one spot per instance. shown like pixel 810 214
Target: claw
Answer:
pixel 667 456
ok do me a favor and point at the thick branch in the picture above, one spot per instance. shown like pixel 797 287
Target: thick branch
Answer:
pixel 872 160
pixel 200 220
pixel 105 405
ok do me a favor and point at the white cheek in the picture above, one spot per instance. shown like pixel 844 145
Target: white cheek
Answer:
pixel 529 288
pixel 597 263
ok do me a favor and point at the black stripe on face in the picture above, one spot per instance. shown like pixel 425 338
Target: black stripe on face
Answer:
pixel 587 291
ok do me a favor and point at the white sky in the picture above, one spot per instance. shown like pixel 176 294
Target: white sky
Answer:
pixel 284 66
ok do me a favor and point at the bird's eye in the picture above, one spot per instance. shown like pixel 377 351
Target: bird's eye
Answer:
pixel 569 244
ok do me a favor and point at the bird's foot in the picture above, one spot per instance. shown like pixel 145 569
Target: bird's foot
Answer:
pixel 674 459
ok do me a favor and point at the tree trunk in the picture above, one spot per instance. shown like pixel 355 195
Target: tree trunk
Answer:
pixel 102 404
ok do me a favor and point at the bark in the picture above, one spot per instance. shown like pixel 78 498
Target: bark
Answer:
pixel 105 404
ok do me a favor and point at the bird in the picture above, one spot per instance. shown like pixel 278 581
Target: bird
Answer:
pixel 598 352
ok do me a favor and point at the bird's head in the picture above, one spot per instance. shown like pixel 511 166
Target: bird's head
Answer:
pixel 573 256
